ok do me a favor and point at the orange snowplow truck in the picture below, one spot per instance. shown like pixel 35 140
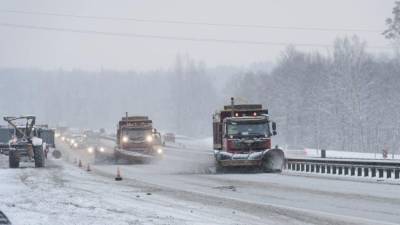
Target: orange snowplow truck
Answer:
pixel 242 138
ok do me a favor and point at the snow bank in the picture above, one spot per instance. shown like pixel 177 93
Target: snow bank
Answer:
pixel 345 154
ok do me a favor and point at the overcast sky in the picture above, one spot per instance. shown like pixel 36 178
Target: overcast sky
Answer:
pixel 34 46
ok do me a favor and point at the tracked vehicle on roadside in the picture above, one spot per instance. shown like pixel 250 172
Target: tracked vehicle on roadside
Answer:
pixel 242 138
pixel 25 144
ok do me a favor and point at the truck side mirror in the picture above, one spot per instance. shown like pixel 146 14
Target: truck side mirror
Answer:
pixel 274 128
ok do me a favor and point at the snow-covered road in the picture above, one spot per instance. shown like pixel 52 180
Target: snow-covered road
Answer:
pixel 65 194
pixel 178 190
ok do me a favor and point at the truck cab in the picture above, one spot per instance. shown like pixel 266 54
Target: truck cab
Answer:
pixel 245 134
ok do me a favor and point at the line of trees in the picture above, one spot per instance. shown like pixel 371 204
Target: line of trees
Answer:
pixel 179 99
pixel 347 99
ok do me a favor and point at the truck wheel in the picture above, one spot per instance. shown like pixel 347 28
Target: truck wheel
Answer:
pixel 56 154
pixel 13 159
pixel 219 168
pixel 38 155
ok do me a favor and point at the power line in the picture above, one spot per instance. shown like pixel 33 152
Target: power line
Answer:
pixel 178 38
pixel 175 38
pixel 181 22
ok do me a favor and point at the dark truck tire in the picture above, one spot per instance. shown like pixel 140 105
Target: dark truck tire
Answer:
pixel 38 155
pixel 56 154
pixel 13 159
pixel 218 167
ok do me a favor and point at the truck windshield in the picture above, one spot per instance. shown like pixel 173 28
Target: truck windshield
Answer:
pixel 244 129
pixel 136 133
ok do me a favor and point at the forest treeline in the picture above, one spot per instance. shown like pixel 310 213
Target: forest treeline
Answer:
pixel 346 99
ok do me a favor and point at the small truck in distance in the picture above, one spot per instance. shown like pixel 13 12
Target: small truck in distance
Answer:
pixel 137 139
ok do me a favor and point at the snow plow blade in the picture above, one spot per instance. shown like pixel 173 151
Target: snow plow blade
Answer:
pixel 271 160
pixel 236 162
pixel 274 160
pixel 132 156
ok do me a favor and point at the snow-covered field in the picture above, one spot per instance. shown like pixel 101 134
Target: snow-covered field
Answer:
pixel 178 190
pixel 350 155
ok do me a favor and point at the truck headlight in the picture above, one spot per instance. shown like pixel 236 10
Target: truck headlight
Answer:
pixel 101 149
pixel 90 149
pixel 125 139
pixel 75 145
pixel 159 151
pixel 149 138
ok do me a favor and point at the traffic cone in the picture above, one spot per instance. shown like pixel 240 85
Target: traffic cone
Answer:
pixel 88 168
pixel 80 163
pixel 118 177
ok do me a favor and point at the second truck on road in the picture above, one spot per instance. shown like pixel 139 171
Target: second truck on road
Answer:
pixel 137 139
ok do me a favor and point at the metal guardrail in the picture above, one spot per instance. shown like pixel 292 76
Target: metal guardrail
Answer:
pixel 383 169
